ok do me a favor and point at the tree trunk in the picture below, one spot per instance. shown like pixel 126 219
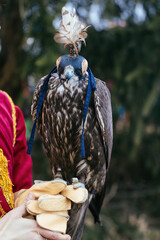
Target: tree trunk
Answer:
pixel 11 55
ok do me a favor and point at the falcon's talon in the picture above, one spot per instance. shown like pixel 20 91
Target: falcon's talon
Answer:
pixel 59 180
pixel 78 185
pixel 75 180
pixel 38 181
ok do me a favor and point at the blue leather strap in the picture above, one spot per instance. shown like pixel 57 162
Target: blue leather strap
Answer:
pixel 39 106
pixel 91 87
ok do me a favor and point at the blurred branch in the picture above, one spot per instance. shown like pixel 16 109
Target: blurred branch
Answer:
pixel 111 194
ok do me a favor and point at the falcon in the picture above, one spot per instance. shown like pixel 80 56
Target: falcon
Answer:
pixel 61 123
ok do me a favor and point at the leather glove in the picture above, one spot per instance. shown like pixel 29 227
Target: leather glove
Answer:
pixel 53 200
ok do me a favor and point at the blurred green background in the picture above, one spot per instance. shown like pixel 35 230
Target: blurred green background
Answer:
pixel 123 49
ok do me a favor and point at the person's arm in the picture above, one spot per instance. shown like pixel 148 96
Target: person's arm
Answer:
pixel 14 226
pixel 22 167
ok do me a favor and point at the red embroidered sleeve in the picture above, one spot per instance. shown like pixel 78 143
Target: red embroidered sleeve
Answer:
pixel 22 167
pixel 15 164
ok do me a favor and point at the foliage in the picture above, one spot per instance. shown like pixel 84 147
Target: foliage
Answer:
pixel 134 73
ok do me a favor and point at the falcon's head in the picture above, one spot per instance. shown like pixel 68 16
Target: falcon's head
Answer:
pixel 69 67
pixel 72 33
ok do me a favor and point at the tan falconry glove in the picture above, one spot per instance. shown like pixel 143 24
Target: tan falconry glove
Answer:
pixel 52 202
pixel 76 192
pixel 40 188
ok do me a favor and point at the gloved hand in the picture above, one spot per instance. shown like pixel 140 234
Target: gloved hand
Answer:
pixel 40 188
pixel 53 200
pixel 14 226
pixel 76 192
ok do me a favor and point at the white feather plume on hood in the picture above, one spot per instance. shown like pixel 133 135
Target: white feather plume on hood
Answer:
pixel 71 30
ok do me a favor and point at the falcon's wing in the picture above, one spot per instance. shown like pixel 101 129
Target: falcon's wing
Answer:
pixel 103 109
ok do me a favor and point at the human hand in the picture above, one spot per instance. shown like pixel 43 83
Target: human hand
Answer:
pixel 14 226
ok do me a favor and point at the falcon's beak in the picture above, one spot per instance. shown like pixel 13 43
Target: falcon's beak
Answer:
pixel 68 73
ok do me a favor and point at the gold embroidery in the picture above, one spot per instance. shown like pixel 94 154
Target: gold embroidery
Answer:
pixel 2 211
pixel 5 181
pixel 13 116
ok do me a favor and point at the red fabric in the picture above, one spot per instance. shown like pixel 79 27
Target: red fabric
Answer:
pixel 6 127
pixel 22 174
pixel 19 163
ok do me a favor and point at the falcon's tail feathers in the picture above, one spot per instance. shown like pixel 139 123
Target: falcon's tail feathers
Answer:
pixel 96 204
pixel 76 221
pixel 94 211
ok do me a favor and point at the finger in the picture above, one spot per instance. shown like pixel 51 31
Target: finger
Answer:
pixel 38 235
pixel 53 235
pixel 30 196
pixel 21 210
